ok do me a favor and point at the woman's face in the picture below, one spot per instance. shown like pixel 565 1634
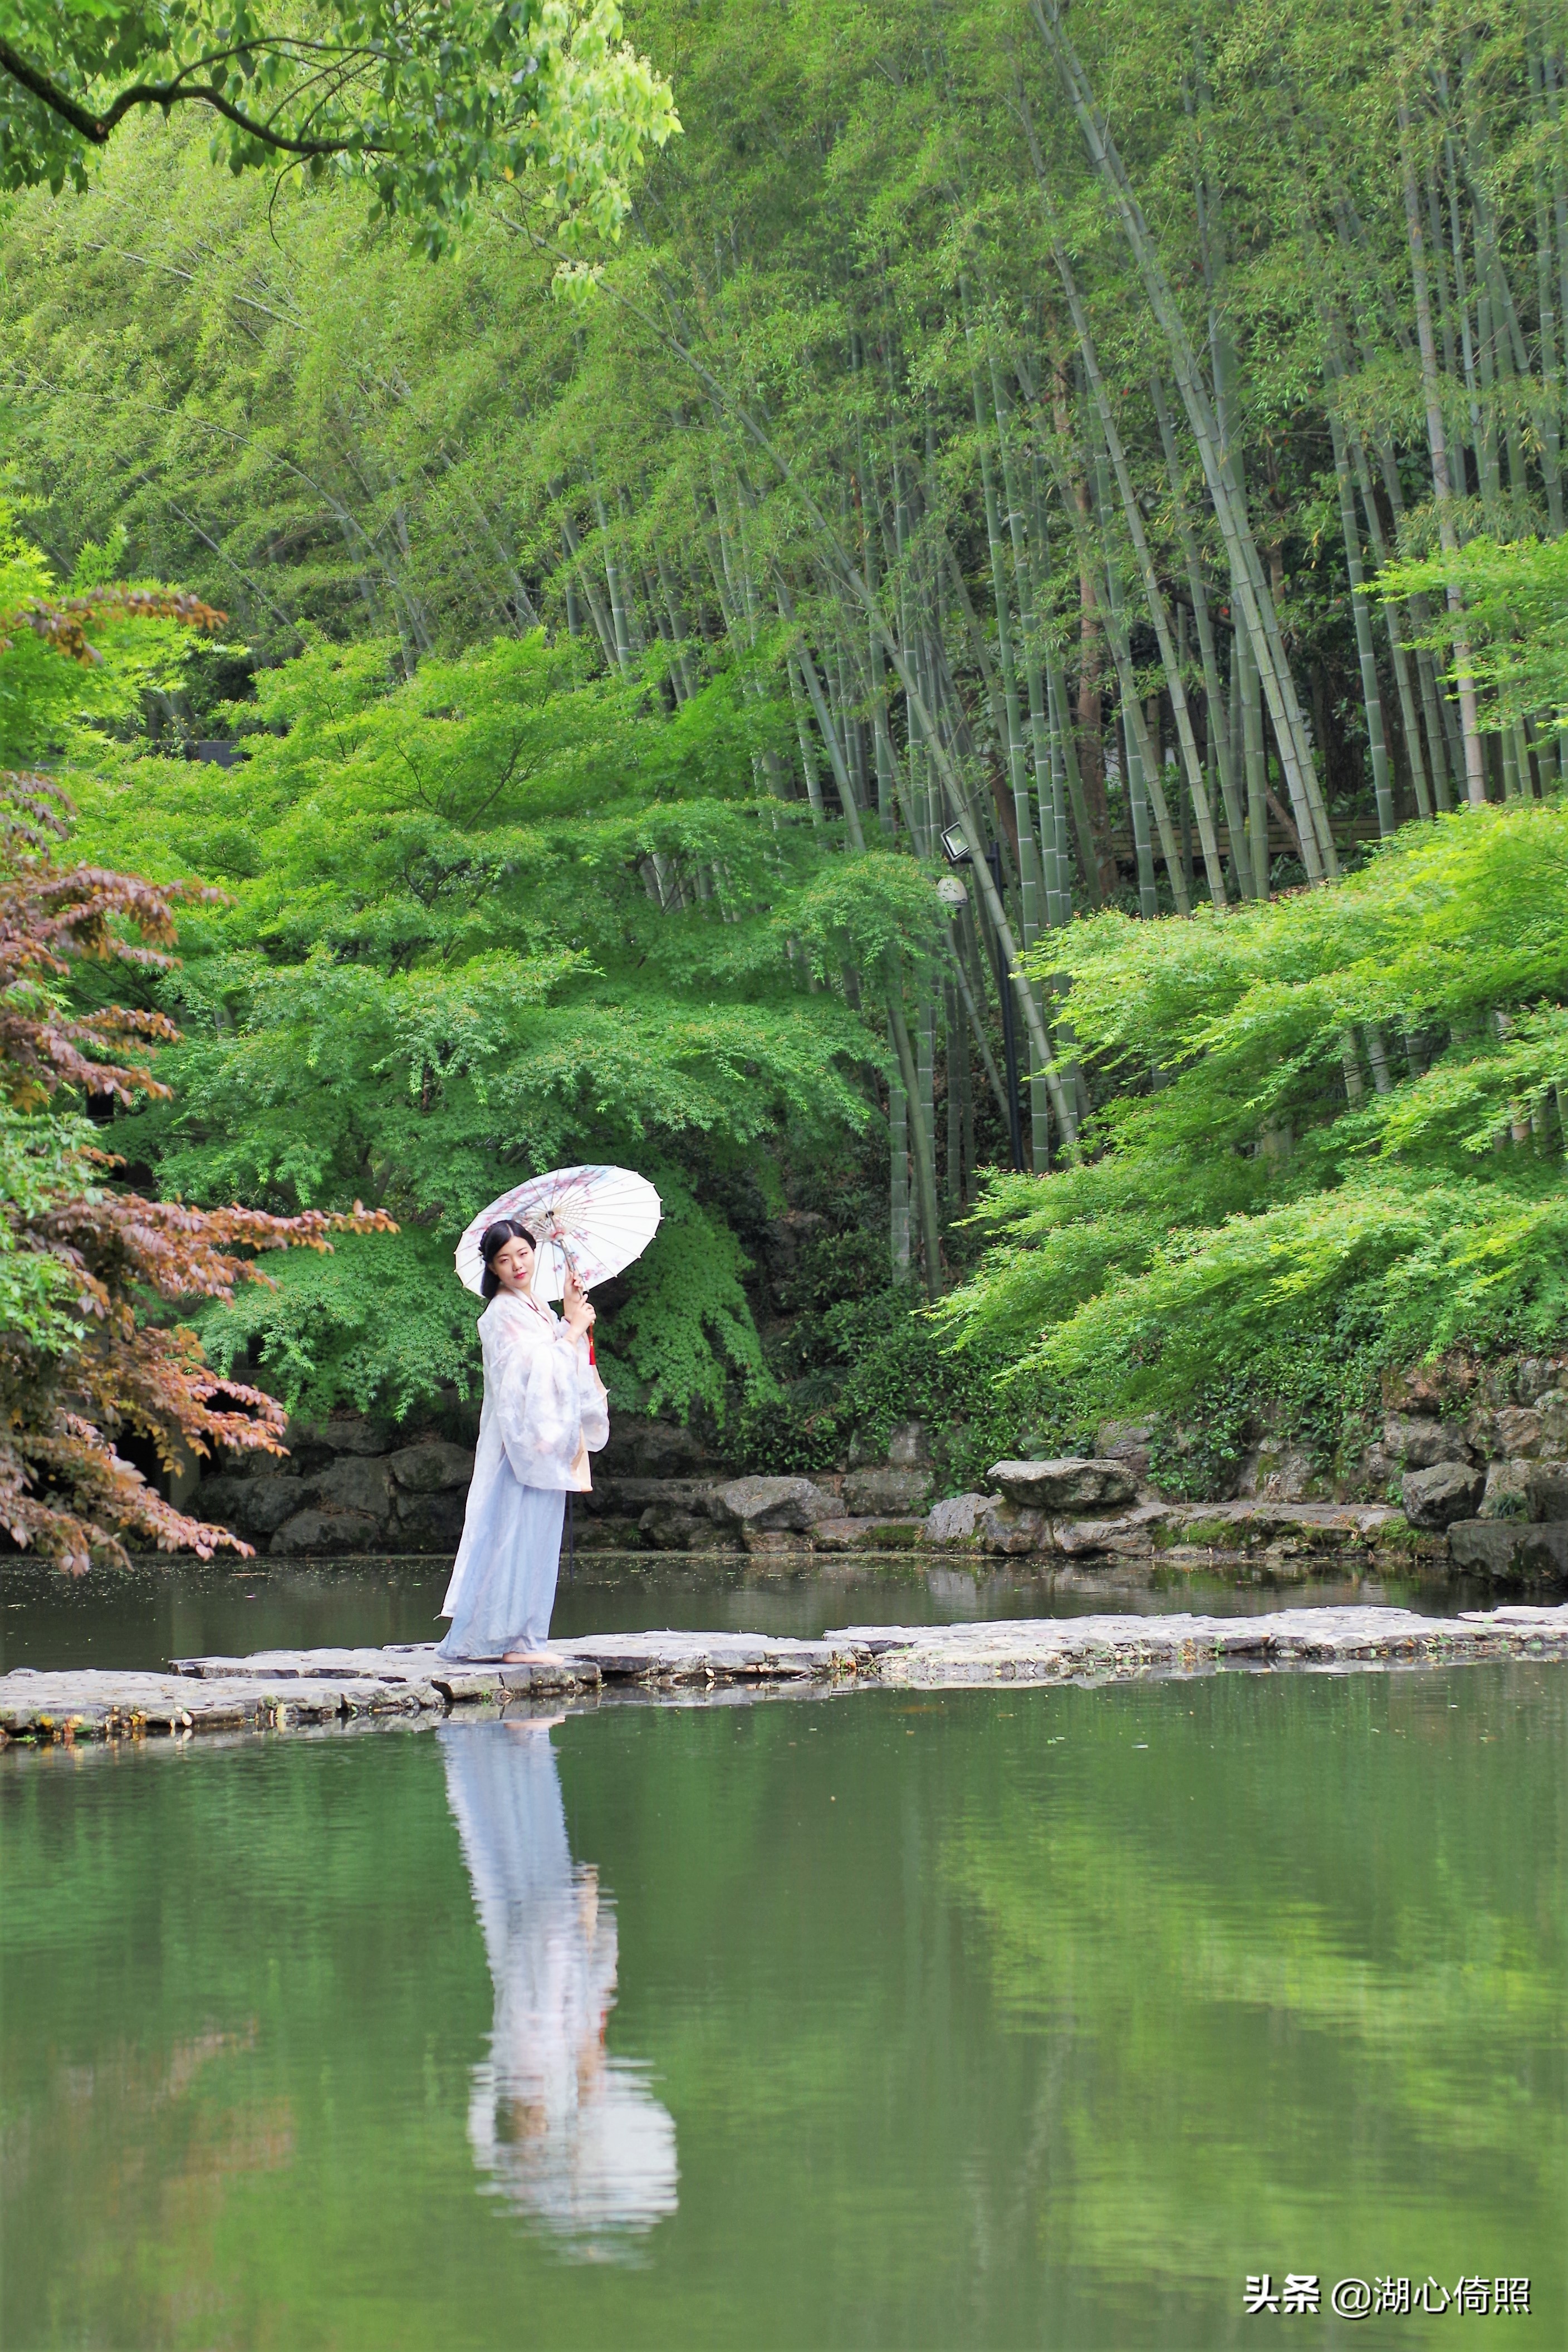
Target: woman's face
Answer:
pixel 513 1264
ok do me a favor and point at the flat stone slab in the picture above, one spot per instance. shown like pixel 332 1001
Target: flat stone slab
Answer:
pixel 1044 1649
pixel 92 1705
pixel 714 1657
pixel 277 1688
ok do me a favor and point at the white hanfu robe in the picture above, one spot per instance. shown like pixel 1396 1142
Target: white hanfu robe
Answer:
pixel 544 1413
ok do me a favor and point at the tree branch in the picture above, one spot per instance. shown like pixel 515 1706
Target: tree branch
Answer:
pixel 98 129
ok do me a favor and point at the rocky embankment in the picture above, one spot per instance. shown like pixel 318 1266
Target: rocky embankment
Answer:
pixel 1469 1470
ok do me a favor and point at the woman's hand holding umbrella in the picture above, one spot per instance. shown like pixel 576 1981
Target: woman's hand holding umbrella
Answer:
pixel 576 1311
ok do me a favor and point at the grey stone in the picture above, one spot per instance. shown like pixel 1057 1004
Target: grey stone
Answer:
pixel 1129 1537
pixel 1072 1484
pixel 1012 1528
pixel 1511 1550
pixel 1553 1412
pixel 907 1447
pixel 771 1503
pixel 843 1534
pixel 1435 1498
pixel 628 1496
pixel 1518 1431
pixel 1421 1444
pixel 255 1507
pixel 327 1531
pixel 775 1542
pixel 433 1464
pixel 1481 1432
pixel 356 1482
pixel 1127 1442
pixel 667 1528
pixel 956 1520
pixel 1378 1470
pixel 868 1493
pixel 1277 1473
pixel 1507 1495
pixel 1547 1490
pixel 431 1522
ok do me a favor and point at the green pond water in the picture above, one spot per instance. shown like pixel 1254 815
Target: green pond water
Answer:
pixel 159 1610
pixel 1041 2017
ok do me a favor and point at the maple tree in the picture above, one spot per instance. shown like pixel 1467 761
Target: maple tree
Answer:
pixel 89 1269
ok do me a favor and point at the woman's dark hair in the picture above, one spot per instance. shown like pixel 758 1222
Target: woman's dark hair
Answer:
pixel 492 1240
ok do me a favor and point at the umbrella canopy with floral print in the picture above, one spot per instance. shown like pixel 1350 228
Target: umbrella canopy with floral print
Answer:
pixel 590 1222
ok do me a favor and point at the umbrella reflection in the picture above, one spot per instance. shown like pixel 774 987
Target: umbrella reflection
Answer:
pixel 567 2134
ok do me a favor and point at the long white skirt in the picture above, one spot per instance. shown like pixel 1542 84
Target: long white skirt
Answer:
pixel 508 1588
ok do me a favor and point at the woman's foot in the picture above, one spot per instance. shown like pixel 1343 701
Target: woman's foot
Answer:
pixel 532 1658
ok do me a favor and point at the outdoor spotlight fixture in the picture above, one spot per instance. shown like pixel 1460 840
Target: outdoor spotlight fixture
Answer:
pixel 954 848
pixel 951 892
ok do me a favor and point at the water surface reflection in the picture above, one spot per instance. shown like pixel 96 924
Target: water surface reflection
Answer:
pixel 567 2134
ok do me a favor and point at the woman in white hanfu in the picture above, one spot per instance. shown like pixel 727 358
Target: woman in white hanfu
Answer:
pixel 544 1413
pixel 568 2135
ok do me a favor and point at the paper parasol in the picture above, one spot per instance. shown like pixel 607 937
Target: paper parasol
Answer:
pixel 590 1222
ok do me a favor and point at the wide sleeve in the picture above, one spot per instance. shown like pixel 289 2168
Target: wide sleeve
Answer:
pixel 549 1403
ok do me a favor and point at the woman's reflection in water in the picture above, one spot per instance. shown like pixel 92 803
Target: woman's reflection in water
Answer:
pixel 567 2133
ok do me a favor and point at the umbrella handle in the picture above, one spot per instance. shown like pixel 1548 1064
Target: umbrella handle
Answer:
pixel 571 1269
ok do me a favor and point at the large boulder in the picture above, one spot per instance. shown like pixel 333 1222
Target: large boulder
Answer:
pixel 1435 1498
pixel 871 1493
pixel 432 1465
pixel 1546 1490
pixel 956 1520
pixel 772 1505
pixel 1072 1484
pixel 1551 1410
pixel 1511 1550
pixel 356 1482
pixel 327 1531
pixel 430 1522
pixel 252 1506
pixel 666 1527
pixel 1507 1495
pixel 1520 1430
pixel 1014 1527
pixel 1278 1472
pixel 1421 1444
pixel 1127 1442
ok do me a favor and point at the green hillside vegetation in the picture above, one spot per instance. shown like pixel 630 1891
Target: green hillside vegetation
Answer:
pixel 1336 1146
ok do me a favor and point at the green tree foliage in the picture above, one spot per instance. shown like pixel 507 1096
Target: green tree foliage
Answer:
pixel 1510 597
pixel 1348 1157
pixel 1024 425
pixel 457 948
pixel 429 104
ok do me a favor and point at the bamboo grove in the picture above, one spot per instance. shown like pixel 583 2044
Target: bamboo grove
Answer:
pixel 1077 440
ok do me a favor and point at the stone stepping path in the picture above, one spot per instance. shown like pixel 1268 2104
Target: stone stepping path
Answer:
pixel 1042 1649
pixel 276 1689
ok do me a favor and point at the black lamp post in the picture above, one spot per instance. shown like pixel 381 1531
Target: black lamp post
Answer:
pixel 956 849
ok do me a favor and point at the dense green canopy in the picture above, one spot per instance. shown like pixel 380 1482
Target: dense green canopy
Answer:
pixel 430 101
